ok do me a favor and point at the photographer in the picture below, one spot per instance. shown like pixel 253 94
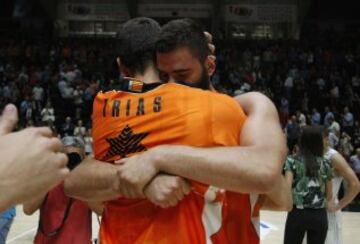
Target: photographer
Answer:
pixel 63 219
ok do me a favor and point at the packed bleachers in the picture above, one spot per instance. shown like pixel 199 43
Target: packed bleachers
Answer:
pixel 316 78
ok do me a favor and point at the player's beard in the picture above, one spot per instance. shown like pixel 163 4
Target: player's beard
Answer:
pixel 202 83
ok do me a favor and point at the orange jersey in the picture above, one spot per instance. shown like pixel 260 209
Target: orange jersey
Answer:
pixel 126 123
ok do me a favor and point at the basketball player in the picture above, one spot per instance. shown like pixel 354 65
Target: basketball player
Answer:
pixel 111 107
pixel 31 162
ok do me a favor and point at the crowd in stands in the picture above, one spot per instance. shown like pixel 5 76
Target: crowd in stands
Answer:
pixel 312 81
pixel 54 83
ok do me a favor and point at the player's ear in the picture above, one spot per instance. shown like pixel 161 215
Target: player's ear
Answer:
pixel 210 65
pixel 122 69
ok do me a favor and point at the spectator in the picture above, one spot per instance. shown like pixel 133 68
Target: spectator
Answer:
pixel 88 142
pixel 345 147
pixel 70 74
pixel 78 101
pixel 327 115
pixel 80 130
pixel 292 133
pixel 46 75
pixel 15 93
pixel 333 140
pixel 23 76
pixel 62 219
pixel 334 127
pixel 7 93
pixel 348 121
pixel 48 113
pixel 62 86
pixel 284 111
pixel 305 103
pixel 356 135
pixel 26 109
pixel 334 93
pixel 321 84
pixel 78 73
pixel 310 175
pixel 315 118
pixel 68 127
pixel 38 96
pixel 301 118
pixel 355 162
pixel 65 89
pixel 289 84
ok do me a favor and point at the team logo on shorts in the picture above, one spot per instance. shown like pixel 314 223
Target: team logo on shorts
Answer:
pixel 125 143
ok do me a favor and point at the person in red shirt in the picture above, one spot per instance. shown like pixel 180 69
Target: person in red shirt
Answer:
pixel 63 219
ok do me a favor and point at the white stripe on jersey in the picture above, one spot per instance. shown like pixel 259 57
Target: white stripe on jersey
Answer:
pixel 212 213
pixel 254 220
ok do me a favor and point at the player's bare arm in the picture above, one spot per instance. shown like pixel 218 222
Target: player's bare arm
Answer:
pixel 342 168
pixel 98 181
pixel 253 167
pixel 92 180
pixel 280 197
pixel 261 111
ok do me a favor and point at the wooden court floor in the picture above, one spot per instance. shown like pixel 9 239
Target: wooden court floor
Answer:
pixel 24 227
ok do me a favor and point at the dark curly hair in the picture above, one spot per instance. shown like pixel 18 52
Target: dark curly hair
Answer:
pixel 183 33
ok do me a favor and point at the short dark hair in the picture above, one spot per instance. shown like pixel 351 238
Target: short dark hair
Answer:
pixel 183 33
pixel 136 43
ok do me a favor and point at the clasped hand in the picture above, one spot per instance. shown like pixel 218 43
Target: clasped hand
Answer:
pixel 138 177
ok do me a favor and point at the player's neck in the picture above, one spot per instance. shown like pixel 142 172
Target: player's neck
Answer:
pixel 149 76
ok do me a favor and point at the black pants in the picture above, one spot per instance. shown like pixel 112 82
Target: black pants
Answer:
pixel 314 222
